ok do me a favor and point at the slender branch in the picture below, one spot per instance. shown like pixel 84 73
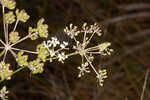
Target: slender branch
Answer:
pixel 91 64
pixel 6 33
pixel 13 53
pixel 16 25
pixel 2 47
pixel 2 42
pixel 93 52
pixel 136 6
pixel 4 55
pixel 3 10
pixel 26 37
pixel 126 17
pixel 84 39
pixel 89 39
pixel 93 48
pixel 24 50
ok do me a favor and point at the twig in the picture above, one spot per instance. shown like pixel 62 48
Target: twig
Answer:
pixel 144 85
pixel 137 6
pixel 125 17
pixel 139 34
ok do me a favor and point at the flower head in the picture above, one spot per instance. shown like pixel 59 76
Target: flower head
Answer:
pixel 14 37
pixel 96 29
pixel 64 44
pixel 22 15
pixel 10 4
pixel 5 72
pixel 42 29
pixel 9 17
pixel 42 52
pixel 22 59
pixel 3 93
pixel 62 57
pixel 102 74
pixel 83 69
pixel 104 50
pixel 71 31
pixel 36 66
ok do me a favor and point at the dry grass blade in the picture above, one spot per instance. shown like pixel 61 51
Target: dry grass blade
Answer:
pixel 126 17
pixel 135 6
pixel 144 85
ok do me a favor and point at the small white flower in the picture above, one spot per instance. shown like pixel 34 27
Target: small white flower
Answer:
pixel 47 44
pixel 51 52
pixel 62 56
pixel 83 69
pixel 64 44
pixel 54 41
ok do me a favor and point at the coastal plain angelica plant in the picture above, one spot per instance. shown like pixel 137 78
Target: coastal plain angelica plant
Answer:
pixel 49 50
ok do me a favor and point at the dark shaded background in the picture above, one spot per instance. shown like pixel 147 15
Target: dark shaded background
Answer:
pixel 125 23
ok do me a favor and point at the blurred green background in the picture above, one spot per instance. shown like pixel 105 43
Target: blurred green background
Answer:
pixel 125 23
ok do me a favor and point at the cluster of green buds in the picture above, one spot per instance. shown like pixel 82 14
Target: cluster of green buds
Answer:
pixel 36 66
pixel 14 37
pixel 9 17
pixel 22 59
pixel 41 30
pixel 22 15
pixel 10 4
pixel 42 52
pixel 3 93
pixel 5 72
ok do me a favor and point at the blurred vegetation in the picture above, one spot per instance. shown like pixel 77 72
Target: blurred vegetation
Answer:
pixel 125 23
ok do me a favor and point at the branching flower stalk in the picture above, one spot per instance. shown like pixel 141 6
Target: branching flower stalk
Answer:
pixel 49 50
pixel 88 52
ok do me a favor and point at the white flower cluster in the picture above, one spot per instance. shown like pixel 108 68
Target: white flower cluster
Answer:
pixel 86 52
pixel 51 46
pixel 83 69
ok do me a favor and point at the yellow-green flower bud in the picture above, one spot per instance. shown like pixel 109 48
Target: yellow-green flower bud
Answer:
pixel 42 52
pixel 22 59
pixel 14 37
pixel 10 4
pixel 5 73
pixel 3 93
pixel 36 66
pixel 42 29
pixel 9 17
pixel 22 15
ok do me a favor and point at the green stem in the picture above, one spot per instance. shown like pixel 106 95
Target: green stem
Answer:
pixel 2 42
pixel 2 53
pixel 24 38
pixel 1 80
pixel 4 24
pixel 19 69
pixel 24 50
